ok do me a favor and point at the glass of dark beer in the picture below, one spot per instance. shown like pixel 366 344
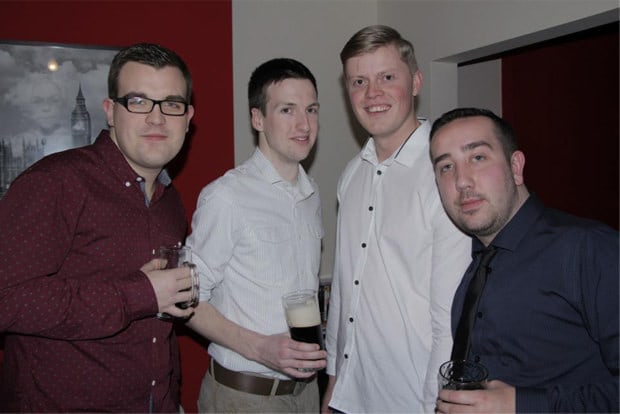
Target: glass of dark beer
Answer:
pixel 462 375
pixel 303 317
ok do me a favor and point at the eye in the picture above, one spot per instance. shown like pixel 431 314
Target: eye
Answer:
pixel 173 104
pixel 478 158
pixel 358 82
pixel 313 110
pixel 286 110
pixel 389 77
pixel 136 101
pixel 443 168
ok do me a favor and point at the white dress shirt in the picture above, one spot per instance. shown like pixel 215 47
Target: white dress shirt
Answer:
pixel 398 262
pixel 255 237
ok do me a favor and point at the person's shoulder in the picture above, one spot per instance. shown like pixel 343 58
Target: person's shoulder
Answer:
pixel 349 171
pixel 567 223
pixel 352 165
pixel 53 175
pixel 64 163
pixel 227 186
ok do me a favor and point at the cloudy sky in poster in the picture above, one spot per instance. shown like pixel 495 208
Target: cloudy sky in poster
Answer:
pixel 36 103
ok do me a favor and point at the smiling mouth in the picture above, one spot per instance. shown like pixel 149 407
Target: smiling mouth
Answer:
pixel 377 108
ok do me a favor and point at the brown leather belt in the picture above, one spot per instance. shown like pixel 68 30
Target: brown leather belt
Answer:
pixel 253 384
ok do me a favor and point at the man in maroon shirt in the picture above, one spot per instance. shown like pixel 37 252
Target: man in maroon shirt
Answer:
pixel 79 288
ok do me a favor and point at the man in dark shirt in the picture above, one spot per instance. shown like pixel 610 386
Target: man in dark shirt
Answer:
pixel 546 326
pixel 79 287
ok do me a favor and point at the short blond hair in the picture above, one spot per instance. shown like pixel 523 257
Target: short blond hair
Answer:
pixel 371 38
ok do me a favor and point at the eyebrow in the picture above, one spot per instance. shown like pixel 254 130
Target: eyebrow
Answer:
pixel 167 98
pixel 276 104
pixel 467 147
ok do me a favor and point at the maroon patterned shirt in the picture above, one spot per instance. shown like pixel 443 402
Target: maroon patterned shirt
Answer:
pixel 78 314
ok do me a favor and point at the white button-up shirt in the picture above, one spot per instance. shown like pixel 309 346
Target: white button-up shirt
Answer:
pixel 398 262
pixel 255 238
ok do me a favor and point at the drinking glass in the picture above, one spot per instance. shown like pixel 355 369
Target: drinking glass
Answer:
pixel 303 317
pixel 181 256
pixel 462 375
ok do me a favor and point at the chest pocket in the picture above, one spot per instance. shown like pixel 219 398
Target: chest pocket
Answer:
pixel 282 252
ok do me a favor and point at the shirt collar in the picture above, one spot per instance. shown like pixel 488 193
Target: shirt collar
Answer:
pixel 270 174
pixel 515 230
pixel 407 153
pixel 115 160
pixel 164 178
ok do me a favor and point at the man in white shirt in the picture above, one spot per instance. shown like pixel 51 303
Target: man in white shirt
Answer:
pixel 256 236
pixel 399 258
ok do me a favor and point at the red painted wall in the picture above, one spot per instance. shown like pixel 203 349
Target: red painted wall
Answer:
pixel 562 99
pixel 201 32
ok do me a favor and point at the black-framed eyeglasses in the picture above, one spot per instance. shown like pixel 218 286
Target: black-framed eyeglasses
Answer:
pixel 142 105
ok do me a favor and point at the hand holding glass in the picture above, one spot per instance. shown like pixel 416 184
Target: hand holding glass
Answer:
pixel 181 256
pixel 462 375
pixel 303 317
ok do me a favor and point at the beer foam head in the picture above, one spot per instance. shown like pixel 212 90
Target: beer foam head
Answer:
pixel 301 315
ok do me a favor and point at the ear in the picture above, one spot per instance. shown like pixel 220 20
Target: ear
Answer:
pixel 517 164
pixel 108 108
pixel 190 115
pixel 257 119
pixel 417 82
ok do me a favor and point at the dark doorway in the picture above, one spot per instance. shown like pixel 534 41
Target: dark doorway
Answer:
pixel 562 98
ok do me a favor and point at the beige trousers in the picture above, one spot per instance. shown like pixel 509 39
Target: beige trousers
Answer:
pixel 217 398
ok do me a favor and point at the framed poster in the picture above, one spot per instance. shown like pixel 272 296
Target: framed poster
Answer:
pixel 50 101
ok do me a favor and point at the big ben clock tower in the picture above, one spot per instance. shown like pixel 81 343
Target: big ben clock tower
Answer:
pixel 80 121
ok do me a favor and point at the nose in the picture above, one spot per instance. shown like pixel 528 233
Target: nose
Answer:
pixel 463 179
pixel 303 122
pixel 373 89
pixel 156 117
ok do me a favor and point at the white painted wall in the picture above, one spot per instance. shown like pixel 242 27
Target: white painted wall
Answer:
pixel 444 32
pixel 480 85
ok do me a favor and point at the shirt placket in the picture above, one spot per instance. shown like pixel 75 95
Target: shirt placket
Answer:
pixel 298 243
pixel 370 217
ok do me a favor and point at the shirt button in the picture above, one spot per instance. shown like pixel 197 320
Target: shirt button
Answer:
pixel 363 245
pixel 479 314
pixel 346 356
pixel 371 208
pixel 350 319
pixel 357 282
pixel 127 184
pixel 153 383
pixel 379 172
pixel 139 179
pixel 154 339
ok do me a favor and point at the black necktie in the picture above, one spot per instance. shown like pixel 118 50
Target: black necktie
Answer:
pixel 460 349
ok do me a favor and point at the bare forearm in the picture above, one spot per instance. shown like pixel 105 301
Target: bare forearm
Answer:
pixel 278 352
pixel 211 324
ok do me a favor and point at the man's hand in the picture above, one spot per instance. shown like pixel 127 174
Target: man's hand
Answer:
pixel 497 397
pixel 168 285
pixel 281 353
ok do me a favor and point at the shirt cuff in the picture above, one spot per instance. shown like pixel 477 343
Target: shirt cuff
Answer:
pixel 140 298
